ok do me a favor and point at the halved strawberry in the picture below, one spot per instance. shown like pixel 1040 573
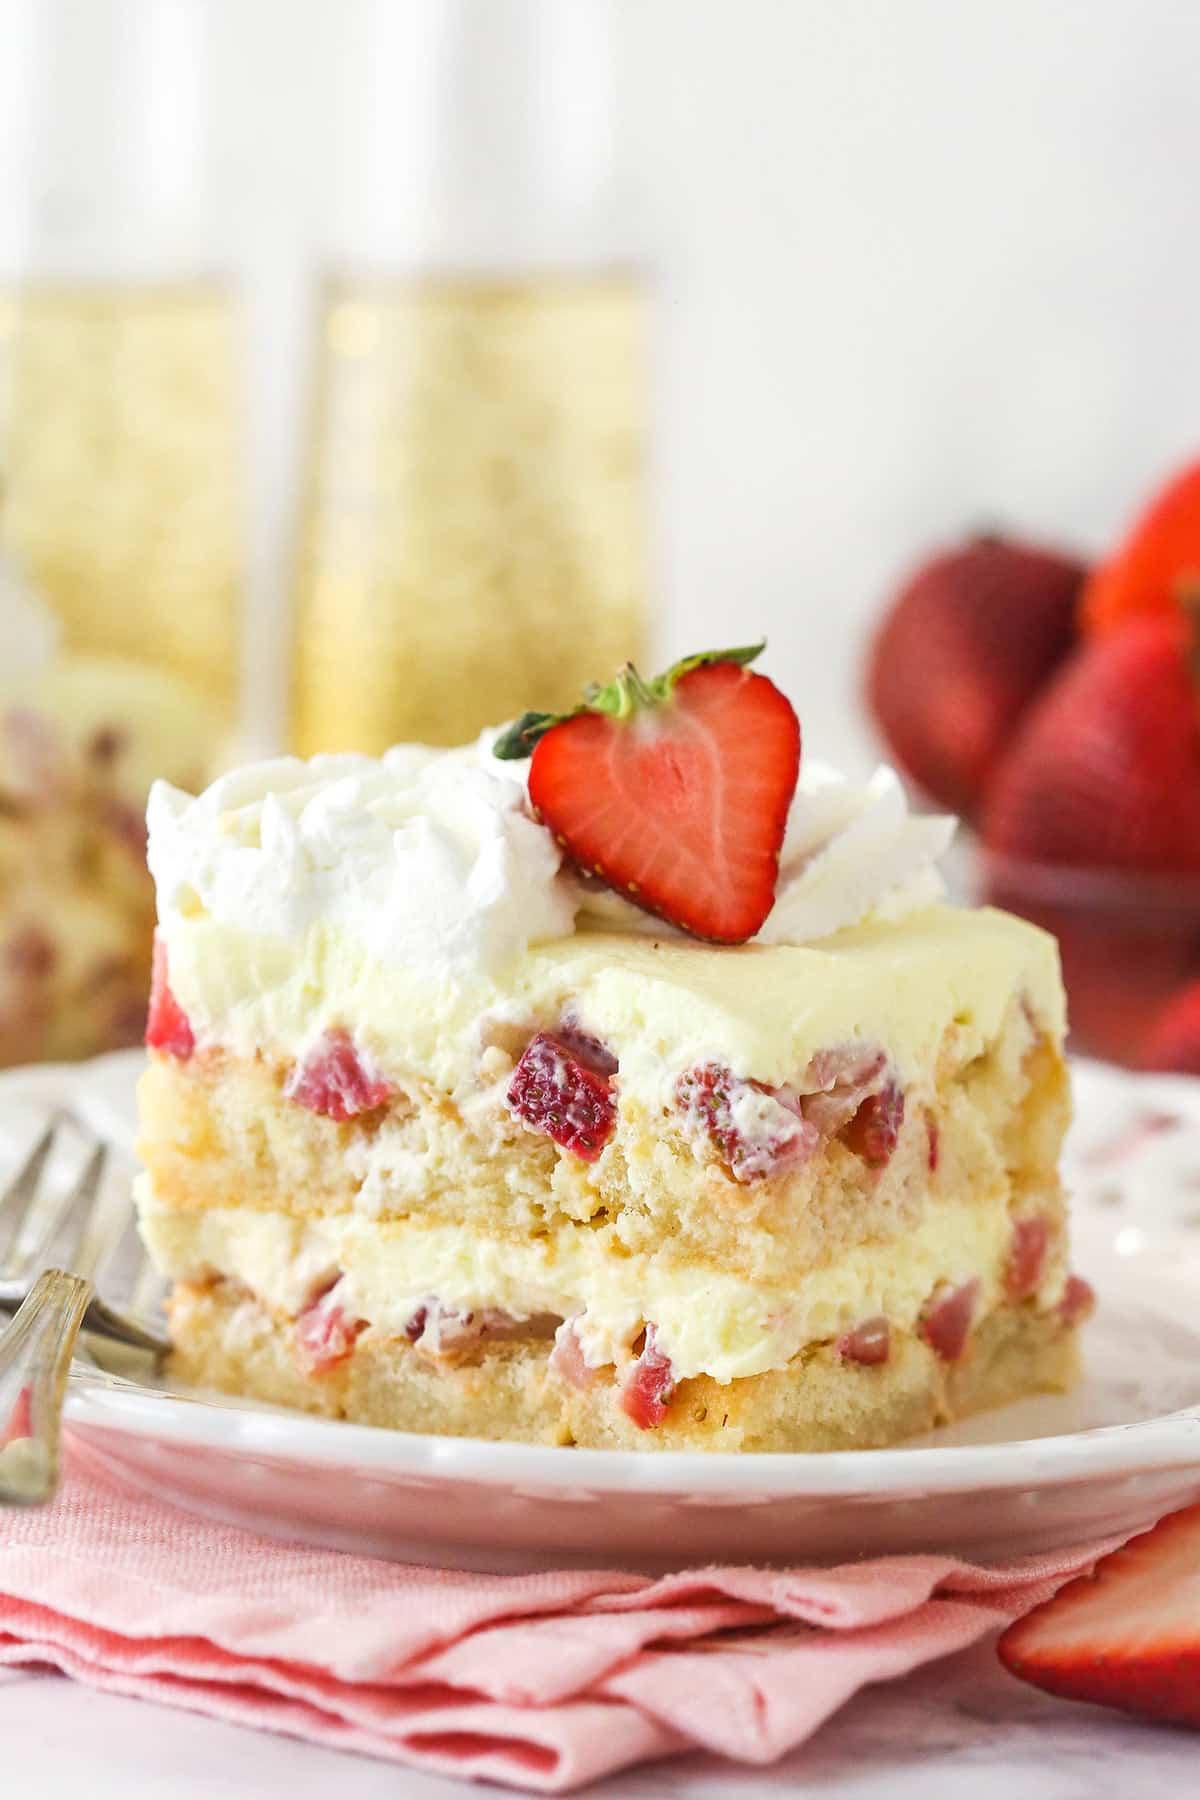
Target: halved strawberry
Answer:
pixel 676 792
pixel 1128 1634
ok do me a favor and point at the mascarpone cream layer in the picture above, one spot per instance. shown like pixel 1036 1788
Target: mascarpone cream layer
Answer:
pixel 707 1322
pixel 662 1006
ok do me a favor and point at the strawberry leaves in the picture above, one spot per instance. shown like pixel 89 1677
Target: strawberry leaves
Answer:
pixel 617 699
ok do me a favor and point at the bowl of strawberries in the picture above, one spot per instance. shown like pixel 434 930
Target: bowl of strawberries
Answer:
pixel 1057 710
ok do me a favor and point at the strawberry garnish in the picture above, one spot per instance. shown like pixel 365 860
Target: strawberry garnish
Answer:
pixel 1128 1634
pixel 675 793
pixel 334 1080
pixel 1106 772
pixel 967 645
pixel 167 1025
pixel 1174 1042
pixel 1160 554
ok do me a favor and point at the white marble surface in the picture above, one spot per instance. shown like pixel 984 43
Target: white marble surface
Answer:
pixel 962 1721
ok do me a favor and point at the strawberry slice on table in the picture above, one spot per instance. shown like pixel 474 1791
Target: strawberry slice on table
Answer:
pixel 1128 1635
pixel 674 792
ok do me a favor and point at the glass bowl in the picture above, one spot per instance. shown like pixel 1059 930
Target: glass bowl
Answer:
pixel 1129 942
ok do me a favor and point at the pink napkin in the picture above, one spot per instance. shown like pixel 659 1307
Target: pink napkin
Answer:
pixel 543 1681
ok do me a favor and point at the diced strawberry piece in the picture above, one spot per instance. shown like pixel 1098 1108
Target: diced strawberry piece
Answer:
pixel 946 1322
pixel 167 1025
pixel 1128 1634
pixel 647 1390
pixel 933 1153
pixel 837 1081
pixel 439 1330
pixel 757 1130
pixel 1078 1300
pixel 869 1343
pixel 334 1080
pixel 557 1092
pixel 567 1358
pixel 586 1049
pixel 324 1334
pixel 1027 1258
pixel 19 1423
pixel 874 1131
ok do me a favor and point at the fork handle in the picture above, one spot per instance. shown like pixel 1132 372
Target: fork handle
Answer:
pixel 35 1357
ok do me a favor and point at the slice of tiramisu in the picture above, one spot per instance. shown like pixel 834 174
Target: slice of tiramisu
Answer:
pixel 640 1092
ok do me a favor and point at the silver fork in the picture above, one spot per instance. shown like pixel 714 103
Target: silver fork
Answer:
pixel 67 1227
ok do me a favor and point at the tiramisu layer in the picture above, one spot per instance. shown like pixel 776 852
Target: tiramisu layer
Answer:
pixel 438 1136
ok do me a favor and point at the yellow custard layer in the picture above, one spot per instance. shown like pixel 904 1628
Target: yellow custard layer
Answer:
pixel 706 1321
pixel 661 1006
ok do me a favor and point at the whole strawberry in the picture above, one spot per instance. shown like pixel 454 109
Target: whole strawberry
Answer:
pixel 1159 556
pixel 1105 772
pixel 971 640
pixel 673 792
pixel 1174 1041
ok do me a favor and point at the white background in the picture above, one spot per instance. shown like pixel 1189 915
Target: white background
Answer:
pixel 920 263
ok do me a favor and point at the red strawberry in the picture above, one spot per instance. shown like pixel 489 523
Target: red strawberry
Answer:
pixel 1027 1258
pixel 946 1322
pixel 167 1025
pixel 757 1130
pixel 564 1090
pixel 1174 1041
pixel 676 793
pixel 1106 770
pixel 333 1080
pixel 874 1131
pixel 325 1334
pixel 970 641
pixel 649 1387
pixel 1128 1634
pixel 869 1343
pixel 1161 552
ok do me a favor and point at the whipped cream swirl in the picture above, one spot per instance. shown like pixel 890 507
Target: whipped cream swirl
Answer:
pixel 431 857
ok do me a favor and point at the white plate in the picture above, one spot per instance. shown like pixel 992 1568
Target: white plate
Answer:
pixel 1112 1456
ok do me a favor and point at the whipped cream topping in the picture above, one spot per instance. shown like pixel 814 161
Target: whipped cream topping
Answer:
pixel 851 851
pixel 424 857
pixel 432 858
